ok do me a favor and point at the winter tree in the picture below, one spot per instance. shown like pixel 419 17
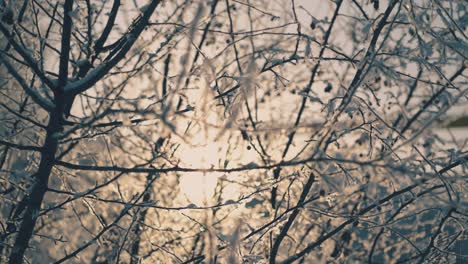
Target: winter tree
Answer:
pixel 233 131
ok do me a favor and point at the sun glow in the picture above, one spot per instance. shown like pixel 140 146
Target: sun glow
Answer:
pixel 207 144
pixel 199 187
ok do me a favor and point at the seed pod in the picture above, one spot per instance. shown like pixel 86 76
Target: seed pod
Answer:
pixel 376 4
pixel 313 24
pixel 328 88
pixel 158 144
pixel 244 135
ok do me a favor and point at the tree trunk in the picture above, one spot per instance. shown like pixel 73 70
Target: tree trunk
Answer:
pixel 135 251
pixel 37 191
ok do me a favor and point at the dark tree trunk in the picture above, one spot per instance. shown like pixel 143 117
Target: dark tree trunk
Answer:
pixel 38 190
pixel 142 217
